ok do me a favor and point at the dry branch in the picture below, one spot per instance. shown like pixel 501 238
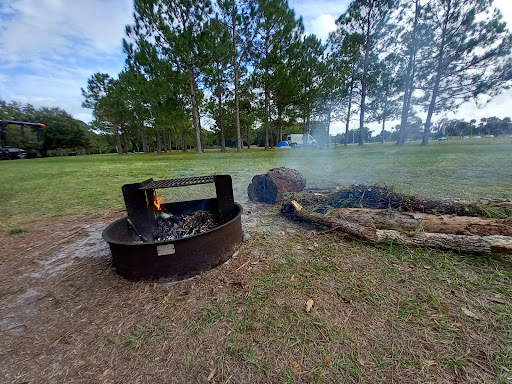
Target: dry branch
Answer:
pixel 414 222
pixel 462 243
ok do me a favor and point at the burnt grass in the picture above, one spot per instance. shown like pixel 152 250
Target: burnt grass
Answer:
pixel 380 315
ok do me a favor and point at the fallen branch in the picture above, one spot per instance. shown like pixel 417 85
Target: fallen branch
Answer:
pixel 462 243
pixel 416 222
pixel 353 229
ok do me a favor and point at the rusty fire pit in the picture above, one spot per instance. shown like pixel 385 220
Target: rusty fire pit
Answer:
pixel 136 255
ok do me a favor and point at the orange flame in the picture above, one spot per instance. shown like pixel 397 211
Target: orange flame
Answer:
pixel 157 202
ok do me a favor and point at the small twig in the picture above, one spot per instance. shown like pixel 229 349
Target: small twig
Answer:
pixel 303 347
pixel 243 265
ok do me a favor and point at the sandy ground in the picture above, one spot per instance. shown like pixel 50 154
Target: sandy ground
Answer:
pixel 61 301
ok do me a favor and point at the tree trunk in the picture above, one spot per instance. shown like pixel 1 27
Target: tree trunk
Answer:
pixel 329 111
pixel 248 138
pixel 364 81
pixel 270 186
pixel 409 78
pixel 267 91
pixel 164 137
pixel 158 143
pixel 184 143
pixel 439 72
pixel 236 71
pixel 415 222
pixel 195 108
pixel 170 142
pixel 221 126
pixel 280 123
pixel 272 132
pixel 267 117
pixel 462 243
pixel 143 137
pixel 348 112
pixel 383 129
pixel 118 142
pixel 304 132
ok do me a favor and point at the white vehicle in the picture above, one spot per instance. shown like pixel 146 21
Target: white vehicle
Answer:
pixel 295 140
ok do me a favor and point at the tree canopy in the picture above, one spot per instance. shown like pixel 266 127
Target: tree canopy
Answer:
pixel 246 70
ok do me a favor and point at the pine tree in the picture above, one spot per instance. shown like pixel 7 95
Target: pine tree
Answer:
pixel 366 18
pixel 471 57
pixel 309 70
pixel 277 30
pixel 178 29
pixel 239 17
pixel 385 104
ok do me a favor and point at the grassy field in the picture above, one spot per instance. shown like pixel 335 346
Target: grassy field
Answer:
pixel 52 187
pixel 382 314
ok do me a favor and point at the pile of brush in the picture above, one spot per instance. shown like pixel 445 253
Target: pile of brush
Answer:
pixel 379 215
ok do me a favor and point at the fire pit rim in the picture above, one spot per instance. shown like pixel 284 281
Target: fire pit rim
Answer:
pixel 106 237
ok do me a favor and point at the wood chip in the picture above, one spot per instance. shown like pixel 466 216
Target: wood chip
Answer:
pixel 212 373
pixel 496 299
pixel 297 367
pixel 468 313
pixel 309 305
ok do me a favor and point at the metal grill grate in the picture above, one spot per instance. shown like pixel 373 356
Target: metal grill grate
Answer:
pixel 171 183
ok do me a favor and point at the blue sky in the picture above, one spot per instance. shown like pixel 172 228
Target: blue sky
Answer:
pixel 49 48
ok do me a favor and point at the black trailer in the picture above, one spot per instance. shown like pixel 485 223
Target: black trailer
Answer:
pixel 6 153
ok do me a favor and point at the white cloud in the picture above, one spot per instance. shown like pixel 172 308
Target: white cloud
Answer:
pixel 309 9
pixel 322 25
pixel 505 6
pixel 55 28
pixel 49 48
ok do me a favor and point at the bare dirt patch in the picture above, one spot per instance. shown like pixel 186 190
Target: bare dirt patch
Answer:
pixel 380 314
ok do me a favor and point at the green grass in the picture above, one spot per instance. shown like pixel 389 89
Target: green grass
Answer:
pixel 87 184
pixel 17 231
pixel 379 316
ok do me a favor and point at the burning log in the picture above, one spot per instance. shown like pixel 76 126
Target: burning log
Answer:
pixel 415 221
pixel 269 187
pixel 173 227
pixel 462 243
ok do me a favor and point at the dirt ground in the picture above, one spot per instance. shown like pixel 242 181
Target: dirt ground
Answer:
pixel 389 315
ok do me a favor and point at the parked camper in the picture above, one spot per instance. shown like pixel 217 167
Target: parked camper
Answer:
pixel 295 140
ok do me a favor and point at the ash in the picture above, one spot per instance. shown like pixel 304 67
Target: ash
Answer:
pixel 173 227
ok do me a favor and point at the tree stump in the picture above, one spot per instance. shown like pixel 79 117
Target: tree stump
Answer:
pixel 269 187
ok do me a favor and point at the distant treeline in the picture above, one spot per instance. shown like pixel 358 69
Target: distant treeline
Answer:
pixel 62 135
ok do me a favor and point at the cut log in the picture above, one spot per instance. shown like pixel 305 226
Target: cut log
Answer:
pixel 416 222
pixel 272 185
pixel 462 243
